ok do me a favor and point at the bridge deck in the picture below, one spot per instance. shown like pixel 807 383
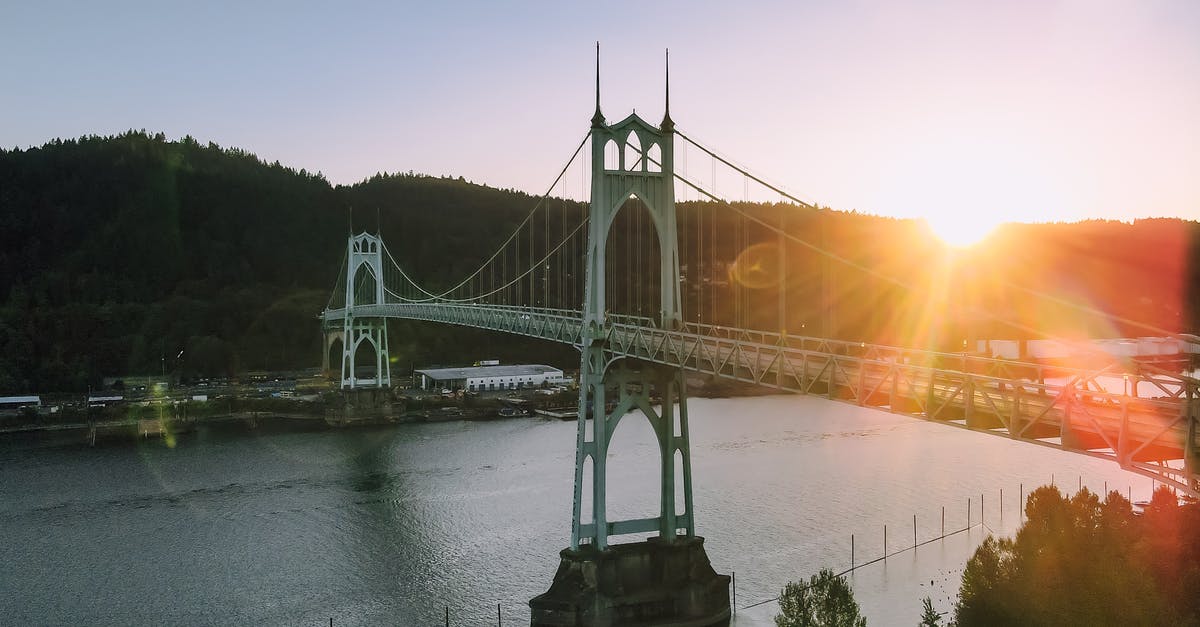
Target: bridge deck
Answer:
pixel 1144 430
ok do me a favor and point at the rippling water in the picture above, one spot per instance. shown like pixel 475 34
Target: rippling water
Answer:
pixel 393 525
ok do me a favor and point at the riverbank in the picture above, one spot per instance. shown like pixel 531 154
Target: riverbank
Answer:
pixel 136 422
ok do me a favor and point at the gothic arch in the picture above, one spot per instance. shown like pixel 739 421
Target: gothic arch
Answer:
pixel 612 155
pixel 364 284
pixel 633 248
pixel 634 161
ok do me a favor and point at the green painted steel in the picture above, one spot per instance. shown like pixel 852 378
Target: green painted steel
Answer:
pixel 364 288
pixel 644 168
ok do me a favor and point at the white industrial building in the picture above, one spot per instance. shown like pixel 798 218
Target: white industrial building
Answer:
pixel 488 378
pixel 19 402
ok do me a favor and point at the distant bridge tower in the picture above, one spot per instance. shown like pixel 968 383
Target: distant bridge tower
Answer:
pixel 596 584
pixel 364 291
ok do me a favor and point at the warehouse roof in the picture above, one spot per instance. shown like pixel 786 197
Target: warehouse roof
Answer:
pixel 19 400
pixel 522 370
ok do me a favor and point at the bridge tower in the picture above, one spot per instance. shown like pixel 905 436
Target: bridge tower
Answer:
pixel 364 290
pixel 667 579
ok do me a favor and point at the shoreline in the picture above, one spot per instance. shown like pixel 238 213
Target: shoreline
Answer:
pixel 250 422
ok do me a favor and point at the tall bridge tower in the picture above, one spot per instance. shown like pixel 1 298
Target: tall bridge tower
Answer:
pixel 667 578
pixel 364 290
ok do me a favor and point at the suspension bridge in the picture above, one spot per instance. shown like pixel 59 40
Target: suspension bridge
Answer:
pixel 648 291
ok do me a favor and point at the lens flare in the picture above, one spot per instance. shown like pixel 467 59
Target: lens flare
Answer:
pixel 757 267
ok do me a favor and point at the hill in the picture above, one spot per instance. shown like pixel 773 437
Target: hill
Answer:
pixel 117 253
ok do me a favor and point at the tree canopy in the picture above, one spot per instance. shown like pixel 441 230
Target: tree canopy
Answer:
pixel 1083 561
pixel 826 600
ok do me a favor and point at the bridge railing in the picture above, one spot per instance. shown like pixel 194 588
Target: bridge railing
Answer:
pixel 1170 383
pixel 1145 435
pixel 1071 410
pixel 1137 379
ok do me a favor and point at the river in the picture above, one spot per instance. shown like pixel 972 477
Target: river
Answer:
pixel 392 525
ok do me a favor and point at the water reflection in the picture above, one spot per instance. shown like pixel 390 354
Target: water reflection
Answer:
pixel 391 525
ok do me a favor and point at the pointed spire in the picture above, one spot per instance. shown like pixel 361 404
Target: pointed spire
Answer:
pixel 668 125
pixel 597 118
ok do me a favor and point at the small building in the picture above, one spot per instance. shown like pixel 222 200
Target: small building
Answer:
pixel 104 401
pixel 488 378
pixel 13 403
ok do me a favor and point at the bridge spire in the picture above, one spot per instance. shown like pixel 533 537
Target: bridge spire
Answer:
pixel 668 125
pixel 597 117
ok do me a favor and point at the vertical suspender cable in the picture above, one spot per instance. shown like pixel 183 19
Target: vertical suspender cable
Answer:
pixel 699 256
pixel 712 261
pixel 631 265
pixel 529 297
pixel 735 285
pixel 562 220
pixel 681 230
pixel 782 243
pixel 637 264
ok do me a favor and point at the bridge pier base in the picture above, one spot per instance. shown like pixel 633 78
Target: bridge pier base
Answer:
pixel 655 582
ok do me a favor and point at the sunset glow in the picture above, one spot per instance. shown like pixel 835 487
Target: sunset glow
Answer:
pixel 1024 111
pixel 960 231
pixel 373 313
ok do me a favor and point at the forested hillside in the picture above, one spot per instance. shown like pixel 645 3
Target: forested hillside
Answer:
pixel 117 253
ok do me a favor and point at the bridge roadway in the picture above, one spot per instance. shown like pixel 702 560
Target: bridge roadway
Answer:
pixel 1146 434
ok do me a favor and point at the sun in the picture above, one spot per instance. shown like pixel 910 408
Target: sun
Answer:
pixel 960 230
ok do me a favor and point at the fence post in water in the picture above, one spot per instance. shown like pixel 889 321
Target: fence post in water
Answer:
pixel 943 521
pixel 1002 504
pixel 1080 484
pixel 499 620
pixel 733 580
pixel 1021 504
pixel 447 616
pixel 851 551
pixel 968 512
pixel 914 533
pixel 885 543
pixel 981 507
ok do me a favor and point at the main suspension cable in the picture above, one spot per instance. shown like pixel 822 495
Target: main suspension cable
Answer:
pixel 527 220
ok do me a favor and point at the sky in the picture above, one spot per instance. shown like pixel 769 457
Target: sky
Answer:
pixel 955 111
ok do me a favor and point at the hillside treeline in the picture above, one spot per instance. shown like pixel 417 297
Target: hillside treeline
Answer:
pixel 135 254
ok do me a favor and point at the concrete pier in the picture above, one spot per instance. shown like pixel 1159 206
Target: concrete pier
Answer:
pixel 651 583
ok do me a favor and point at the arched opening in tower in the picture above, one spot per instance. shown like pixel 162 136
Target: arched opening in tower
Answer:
pixel 633 270
pixel 364 361
pixel 364 285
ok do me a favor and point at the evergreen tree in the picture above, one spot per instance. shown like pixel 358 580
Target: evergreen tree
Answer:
pixel 929 616
pixel 825 601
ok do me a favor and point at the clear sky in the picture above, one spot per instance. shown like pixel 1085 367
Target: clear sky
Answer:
pixel 957 110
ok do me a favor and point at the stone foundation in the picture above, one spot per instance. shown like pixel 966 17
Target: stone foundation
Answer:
pixel 651 583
